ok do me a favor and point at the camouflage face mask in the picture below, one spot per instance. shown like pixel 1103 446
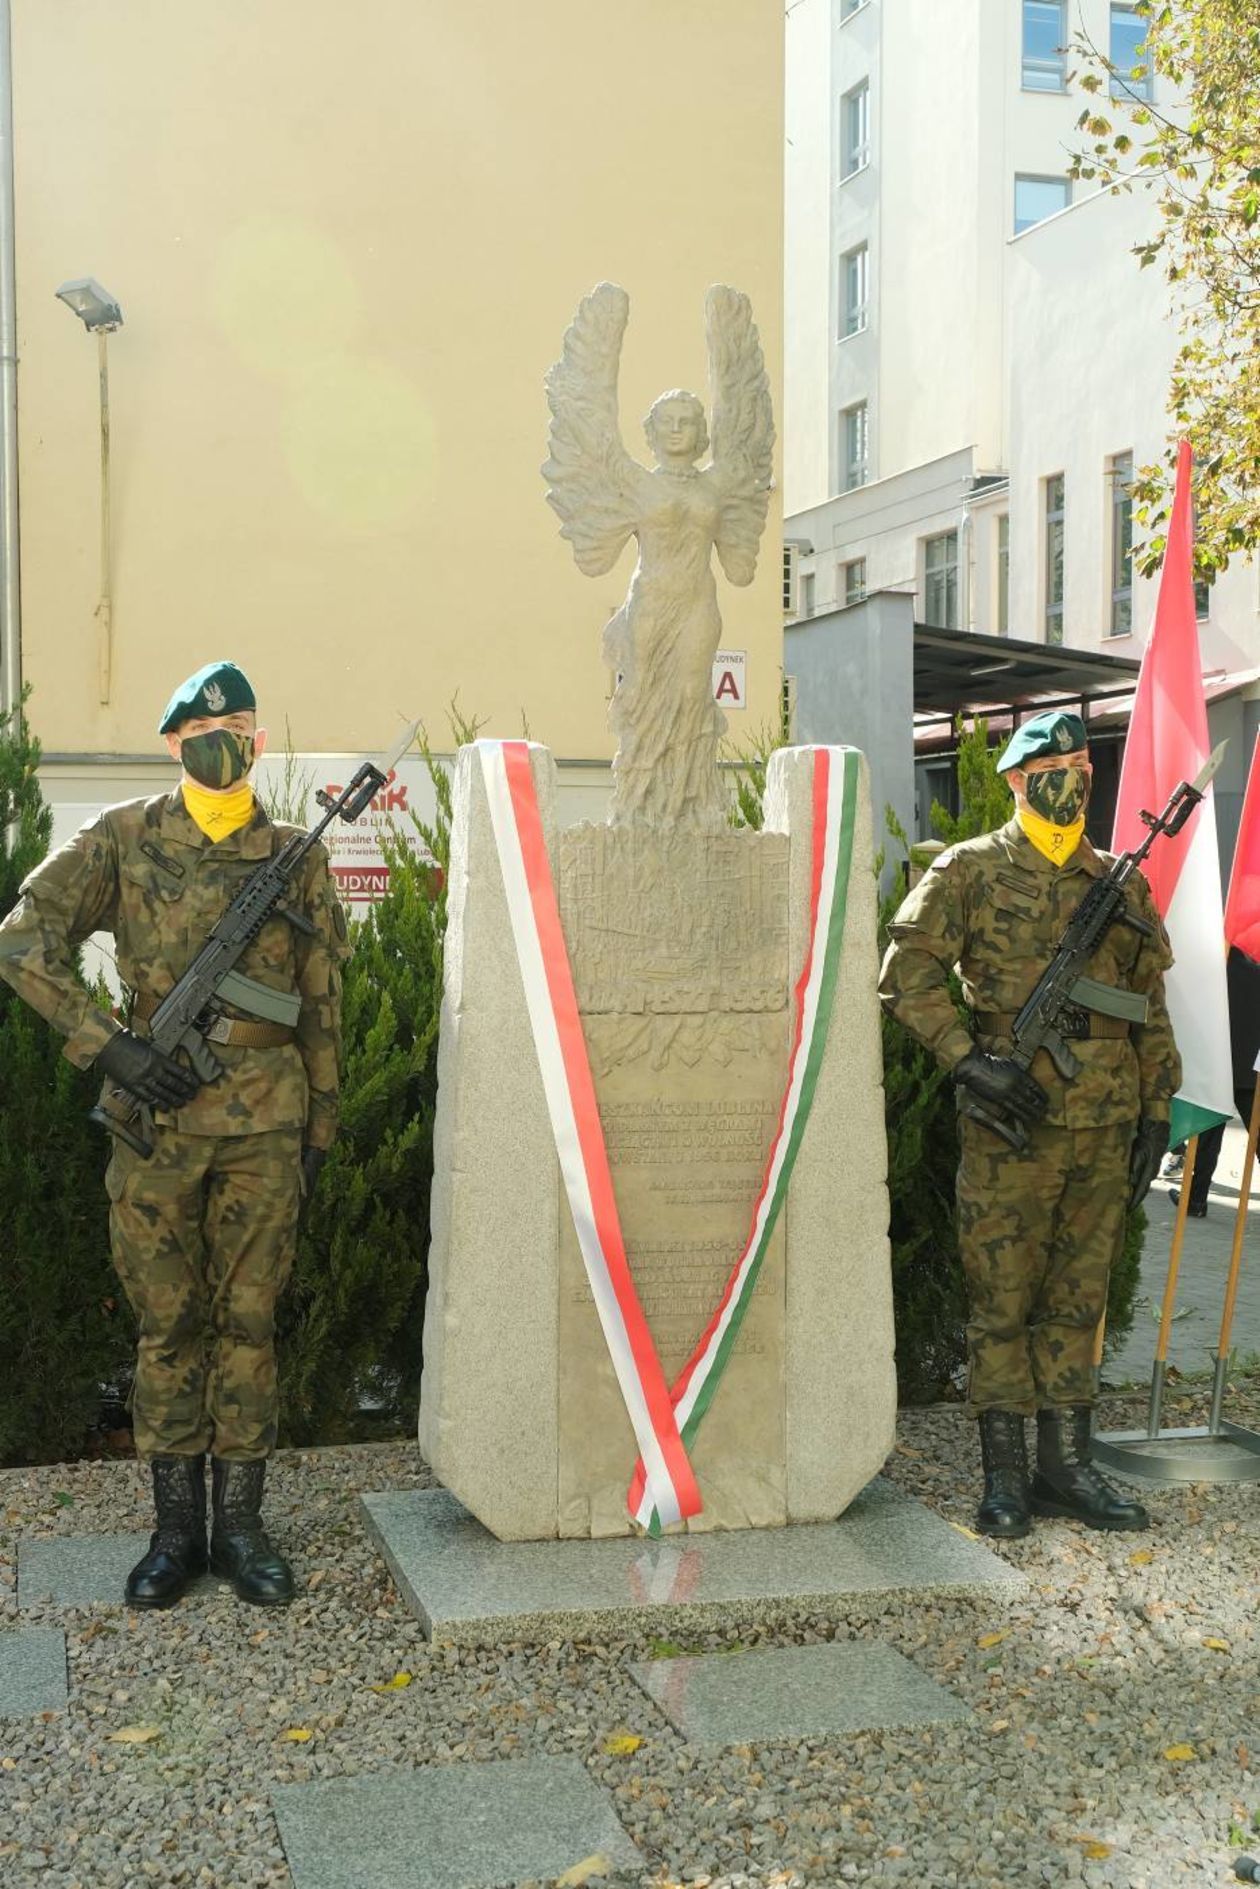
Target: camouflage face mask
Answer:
pixel 219 758
pixel 1060 794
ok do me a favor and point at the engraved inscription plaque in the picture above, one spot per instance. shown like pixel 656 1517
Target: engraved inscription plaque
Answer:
pixel 679 951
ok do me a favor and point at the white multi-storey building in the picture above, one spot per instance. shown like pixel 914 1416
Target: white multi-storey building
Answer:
pixel 974 359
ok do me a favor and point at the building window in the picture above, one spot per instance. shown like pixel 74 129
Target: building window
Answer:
pixel 849 7
pixel 855 445
pixel 807 594
pixel 1131 76
pixel 940 581
pixel 854 580
pixel 855 129
pixel 789 579
pixel 1004 574
pixel 1202 599
pixel 1054 559
pixel 854 276
pixel 1036 198
pixel 1121 475
pixel 1044 67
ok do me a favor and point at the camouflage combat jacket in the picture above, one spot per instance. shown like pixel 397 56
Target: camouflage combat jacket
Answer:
pixel 146 872
pixel 994 908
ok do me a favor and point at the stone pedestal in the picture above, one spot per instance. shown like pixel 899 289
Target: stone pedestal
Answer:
pixel 685 951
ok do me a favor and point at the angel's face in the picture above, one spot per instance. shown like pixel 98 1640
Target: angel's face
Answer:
pixel 676 430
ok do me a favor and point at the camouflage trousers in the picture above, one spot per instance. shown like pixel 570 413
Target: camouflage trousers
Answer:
pixel 203 1237
pixel 1038 1232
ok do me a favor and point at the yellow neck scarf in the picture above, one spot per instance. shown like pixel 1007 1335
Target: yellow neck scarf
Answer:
pixel 218 814
pixel 1055 843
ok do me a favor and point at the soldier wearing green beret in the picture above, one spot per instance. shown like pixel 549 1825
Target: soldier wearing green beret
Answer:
pixel 203 1231
pixel 1039 1227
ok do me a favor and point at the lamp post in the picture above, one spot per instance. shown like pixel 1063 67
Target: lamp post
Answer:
pixel 100 315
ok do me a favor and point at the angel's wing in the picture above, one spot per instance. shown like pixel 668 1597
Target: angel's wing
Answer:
pixel 743 429
pixel 591 479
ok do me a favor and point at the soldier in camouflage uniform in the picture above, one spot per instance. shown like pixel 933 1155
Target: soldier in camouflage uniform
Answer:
pixel 203 1231
pixel 1038 1229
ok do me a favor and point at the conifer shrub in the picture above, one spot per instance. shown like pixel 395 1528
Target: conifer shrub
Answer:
pixel 66 1331
pixel 349 1328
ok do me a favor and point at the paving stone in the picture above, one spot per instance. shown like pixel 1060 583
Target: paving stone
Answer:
pixel 470 1589
pixel 449 1826
pixel 77 1570
pixel 32 1671
pixel 795 1692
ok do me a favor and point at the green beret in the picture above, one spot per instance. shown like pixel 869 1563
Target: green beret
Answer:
pixel 1053 732
pixel 218 689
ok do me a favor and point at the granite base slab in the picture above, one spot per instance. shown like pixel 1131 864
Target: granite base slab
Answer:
pixel 32 1671
pixel 795 1692
pixel 449 1826
pixel 468 1588
pixel 81 1570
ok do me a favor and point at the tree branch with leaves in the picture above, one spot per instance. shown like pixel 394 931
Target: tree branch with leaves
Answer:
pixel 1201 160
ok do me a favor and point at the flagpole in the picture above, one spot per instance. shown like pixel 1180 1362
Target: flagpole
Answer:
pixel 1170 1292
pixel 1235 1268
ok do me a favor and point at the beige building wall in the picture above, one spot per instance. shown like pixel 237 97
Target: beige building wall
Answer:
pixel 347 242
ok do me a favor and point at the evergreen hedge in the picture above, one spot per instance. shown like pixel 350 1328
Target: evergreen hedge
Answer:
pixel 66 1330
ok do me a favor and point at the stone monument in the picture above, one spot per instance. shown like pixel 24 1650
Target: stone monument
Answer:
pixel 659 1221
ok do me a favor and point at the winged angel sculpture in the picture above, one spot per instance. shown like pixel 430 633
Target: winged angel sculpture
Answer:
pixel 662 642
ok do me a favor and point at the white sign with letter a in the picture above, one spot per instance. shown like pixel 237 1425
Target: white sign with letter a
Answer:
pixel 730 678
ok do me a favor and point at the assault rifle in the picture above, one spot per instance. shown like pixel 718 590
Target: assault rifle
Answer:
pixel 1058 1008
pixel 186 1017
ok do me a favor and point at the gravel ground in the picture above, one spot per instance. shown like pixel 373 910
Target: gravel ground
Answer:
pixel 1126 1649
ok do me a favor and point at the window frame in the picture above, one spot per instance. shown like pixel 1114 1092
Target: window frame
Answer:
pixel 1032 64
pixel 1120 545
pixel 861 152
pixel 944 577
pixel 849 7
pixel 1054 524
pixel 1119 85
pixel 809 589
pixel 861 307
pixel 850 462
pixel 1003 575
pixel 853 594
pixel 1037 177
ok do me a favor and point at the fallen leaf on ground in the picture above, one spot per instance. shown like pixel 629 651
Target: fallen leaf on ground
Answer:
pixel 991 1639
pixel 395 1684
pixel 1000 1725
pixel 590 1866
pixel 621 1744
pixel 1142 1558
pixel 1217 1646
pixel 970 1533
pixel 313 1580
pixel 296 1735
pixel 1093 1847
pixel 134 1735
pixel 1179 1753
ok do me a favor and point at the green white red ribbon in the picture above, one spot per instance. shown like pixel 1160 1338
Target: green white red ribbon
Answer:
pixel 664 1488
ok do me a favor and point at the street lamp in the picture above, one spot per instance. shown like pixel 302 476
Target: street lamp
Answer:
pixel 100 315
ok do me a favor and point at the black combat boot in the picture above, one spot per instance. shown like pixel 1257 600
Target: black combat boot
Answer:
pixel 239 1547
pixel 177 1548
pixel 1004 1508
pixel 1067 1483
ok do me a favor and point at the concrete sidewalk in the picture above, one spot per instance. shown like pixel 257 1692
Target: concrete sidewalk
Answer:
pixel 1201 1281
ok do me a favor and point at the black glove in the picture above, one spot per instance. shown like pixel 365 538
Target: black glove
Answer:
pixel 146 1072
pixel 999 1081
pixel 313 1160
pixel 1150 1145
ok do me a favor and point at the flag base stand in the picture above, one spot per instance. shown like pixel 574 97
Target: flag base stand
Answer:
pixel 1215 1451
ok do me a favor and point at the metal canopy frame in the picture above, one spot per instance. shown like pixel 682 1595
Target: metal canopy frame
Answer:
pixel 960 669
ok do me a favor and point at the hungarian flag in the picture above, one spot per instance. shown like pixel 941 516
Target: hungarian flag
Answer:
pixel 1242 907
pixel 1168 743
